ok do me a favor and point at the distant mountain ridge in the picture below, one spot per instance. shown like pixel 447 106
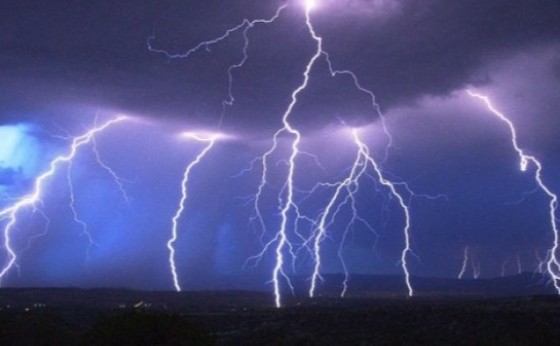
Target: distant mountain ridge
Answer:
pixel 524 284
pixel 359 286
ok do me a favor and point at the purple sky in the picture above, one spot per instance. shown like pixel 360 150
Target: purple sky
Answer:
pixel 62 65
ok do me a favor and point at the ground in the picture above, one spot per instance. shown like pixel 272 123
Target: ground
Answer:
pixel 96 317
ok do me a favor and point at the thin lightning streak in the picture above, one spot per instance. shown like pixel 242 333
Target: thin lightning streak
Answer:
pixel 40 234
pixel 465 262
pixel 371 96
pixel 355 218
pixel 351 191
pixel 281 238
pixel 364 150
pixel 72 206
pixel 209 140
pixel 358 169
pixel 245 26
pixel 339 253
pixel 10 213
pixel 469 257
pixel 118 180
pixel 287 205
pixel 553 265
pixel 352 180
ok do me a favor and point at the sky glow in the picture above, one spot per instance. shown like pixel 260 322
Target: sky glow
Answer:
pixel 247 171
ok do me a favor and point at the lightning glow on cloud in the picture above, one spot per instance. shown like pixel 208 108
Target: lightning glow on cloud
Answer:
pixel 10 213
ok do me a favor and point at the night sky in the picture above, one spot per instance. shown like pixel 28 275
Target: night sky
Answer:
pixel 65 66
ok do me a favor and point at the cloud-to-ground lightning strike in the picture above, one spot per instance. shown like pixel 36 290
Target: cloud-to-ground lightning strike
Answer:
pixel 209 139
pixel 364 150
pixel 350 184
pixel 352 180
pixel 31 200
pixel 288 207
pixel 72 205
pixel 541 262
pixel 287 202
pixel 553 264
pixel 465 263
pixel 469 257
pixel 245 26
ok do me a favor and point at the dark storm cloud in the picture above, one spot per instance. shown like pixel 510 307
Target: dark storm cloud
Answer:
pixel 434 46
pixel 556 69
pixel 95 53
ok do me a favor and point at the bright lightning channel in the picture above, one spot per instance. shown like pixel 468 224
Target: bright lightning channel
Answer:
pixel 286 198
pixel 355 175
pixel 10 213
pixel 287 203
pixel 407 250
pixel 553 264
pixel 209 140
pixel 244 27
pixel 350 185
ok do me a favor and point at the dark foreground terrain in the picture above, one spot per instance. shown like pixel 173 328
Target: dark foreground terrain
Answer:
pixel 123 317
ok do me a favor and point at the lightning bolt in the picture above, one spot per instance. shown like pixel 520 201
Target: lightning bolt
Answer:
pixel 356 172
pixel 245 26
pixel 553 264
pixel 352 182
pixel 465 263
pixel 469 257
pixel 407 250
pixel 541 262
pixel 72 206
pixel 10 213
pixel 362 159
pixel 349 187
pixel 287 203
pixel 209 139
pixel 289 211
